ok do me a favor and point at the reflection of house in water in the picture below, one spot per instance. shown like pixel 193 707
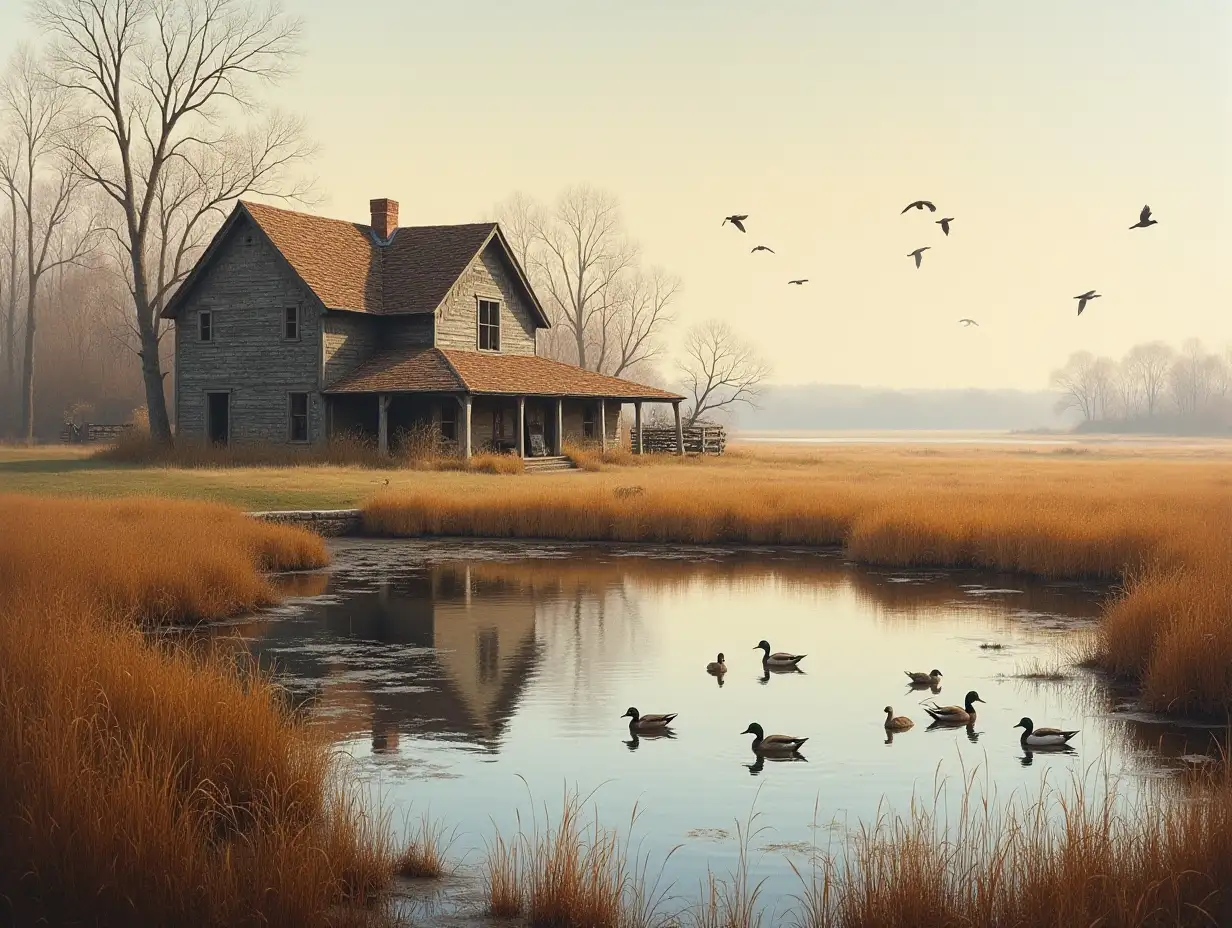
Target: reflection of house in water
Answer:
pixel 434 652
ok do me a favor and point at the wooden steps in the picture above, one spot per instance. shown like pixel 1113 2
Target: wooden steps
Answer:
pixel 549 465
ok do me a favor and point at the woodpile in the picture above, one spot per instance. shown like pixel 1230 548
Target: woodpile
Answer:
pixel 698 439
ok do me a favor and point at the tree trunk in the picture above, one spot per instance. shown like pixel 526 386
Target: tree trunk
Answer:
pixel 27 375
pixel 581 345
pixel 155 399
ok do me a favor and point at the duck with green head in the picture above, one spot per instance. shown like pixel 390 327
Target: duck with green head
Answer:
pixel 956 715
pixel 647 723
pixel 779 660
pixel 1033 737
pixel 772 744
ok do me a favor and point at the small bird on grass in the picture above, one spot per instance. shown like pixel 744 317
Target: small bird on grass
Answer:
pixel 799 282
pixel 1083 298
pixel 920 204
pixel 918 254
pixel 1144 219
pixel 736 219
pixel 967 323
pixel 945 224
pixel 758 248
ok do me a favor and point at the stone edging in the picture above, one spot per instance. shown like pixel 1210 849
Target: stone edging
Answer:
pixel 328 522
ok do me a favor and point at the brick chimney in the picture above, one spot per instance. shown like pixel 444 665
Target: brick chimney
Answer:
pixel 384 217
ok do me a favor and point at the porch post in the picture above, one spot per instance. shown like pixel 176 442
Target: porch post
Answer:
pixel 558 444
pixel 637 427
pixel 521 426
pixel 679 428
pixel 466 426
pixel 602 424
pixel 382 428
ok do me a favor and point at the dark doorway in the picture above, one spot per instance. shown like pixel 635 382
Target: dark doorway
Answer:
pixel 218 418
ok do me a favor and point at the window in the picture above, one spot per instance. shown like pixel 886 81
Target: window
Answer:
pixel 290 323
pixel 489 325
pixel 299 417
pixel 588 422
pixel 205 326
pixel 449 422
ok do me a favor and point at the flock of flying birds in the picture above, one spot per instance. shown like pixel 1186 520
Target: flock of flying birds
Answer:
pixel 738 220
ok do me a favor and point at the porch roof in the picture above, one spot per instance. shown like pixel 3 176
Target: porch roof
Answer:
pixel 445 370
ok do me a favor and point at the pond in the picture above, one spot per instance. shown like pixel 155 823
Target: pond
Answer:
pixel 477 680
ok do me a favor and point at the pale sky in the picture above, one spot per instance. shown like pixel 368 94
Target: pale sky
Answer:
pixel 1042 128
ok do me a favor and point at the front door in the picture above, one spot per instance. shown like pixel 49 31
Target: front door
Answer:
pixel 218 418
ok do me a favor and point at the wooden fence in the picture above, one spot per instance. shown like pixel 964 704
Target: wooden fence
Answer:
pixel 699 439
pixel 74 434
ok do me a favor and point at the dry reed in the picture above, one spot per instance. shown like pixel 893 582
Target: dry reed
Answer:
pixel 426 850
pixel 151 785
pixel 1162 527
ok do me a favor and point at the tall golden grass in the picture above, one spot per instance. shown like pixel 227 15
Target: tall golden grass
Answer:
pixel 146 784
pixel 1162 527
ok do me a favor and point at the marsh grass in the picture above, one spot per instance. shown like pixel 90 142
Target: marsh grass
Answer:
pixel 426 851
pixel 151 784
pixel 732 901
pixel 573 872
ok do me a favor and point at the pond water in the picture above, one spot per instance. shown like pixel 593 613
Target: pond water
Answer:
pixel 475 680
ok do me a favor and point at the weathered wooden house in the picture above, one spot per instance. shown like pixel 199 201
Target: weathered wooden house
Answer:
pixel 293 327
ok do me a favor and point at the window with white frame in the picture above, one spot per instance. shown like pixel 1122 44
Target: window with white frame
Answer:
pixel 489 325
pixel 290 323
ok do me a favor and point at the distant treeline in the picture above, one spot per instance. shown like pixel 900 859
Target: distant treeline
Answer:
pixel 1153 388
pixel 831 406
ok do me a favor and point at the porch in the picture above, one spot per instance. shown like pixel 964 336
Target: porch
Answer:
pixel 528 425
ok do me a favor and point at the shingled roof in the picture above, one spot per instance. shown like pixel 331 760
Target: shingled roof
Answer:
pixel 349 268
pixel 442 370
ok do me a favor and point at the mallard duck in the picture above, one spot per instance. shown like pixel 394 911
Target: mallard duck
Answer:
pixel 772 744
pixel 645 723
pixel 779 659
pixel 1033 737
pixel 717 666
pixel 932 678
pixel 957 715
pixel 896 723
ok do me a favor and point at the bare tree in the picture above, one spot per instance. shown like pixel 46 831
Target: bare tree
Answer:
pixel 1146 366
pixel 1078 382
pixel 630 322
pixel 8 280
pixel 1189 379
pixel 719 369
pixel 47 191
pixel 581 255
pixel 164 83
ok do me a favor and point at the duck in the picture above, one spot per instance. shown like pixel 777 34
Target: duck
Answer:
pixel 772 744
pixel 896 723
pixel 779 659
pixel 1033 737
pixel 717 666
pixel 645 723
pixel 918 678
pixel 958 715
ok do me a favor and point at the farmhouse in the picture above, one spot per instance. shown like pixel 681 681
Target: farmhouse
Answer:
pixel 293 328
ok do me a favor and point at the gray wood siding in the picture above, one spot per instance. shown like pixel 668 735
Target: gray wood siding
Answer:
pixel 457 324
pixel 352 338
pixel 247 289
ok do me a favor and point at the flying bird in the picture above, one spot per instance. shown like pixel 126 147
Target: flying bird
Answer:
pixel 920 204
pixel 1082 299
pixel 918 254
pixel 945 224
pixel 762 248
pixel 1144 219
pixel 802 280
pixel 736 220
pixel 967 323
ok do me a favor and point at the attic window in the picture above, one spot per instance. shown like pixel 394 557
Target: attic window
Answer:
pixel 247 239
pixel 489 325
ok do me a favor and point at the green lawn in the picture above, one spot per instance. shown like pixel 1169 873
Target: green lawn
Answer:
pixel 71 471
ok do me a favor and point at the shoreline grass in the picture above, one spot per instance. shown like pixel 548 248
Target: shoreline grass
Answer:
pixel 148 784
